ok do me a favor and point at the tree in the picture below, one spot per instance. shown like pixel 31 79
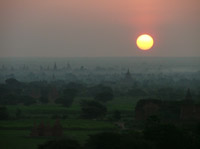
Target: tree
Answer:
pixel 27 100
pixel 102 93
pixel 4 113
pixel 104 96
pixel 110 140
pixel 188 95
pixel 65 101
pixel 44 91
pixel 93 109
pixel 116 115
pixel 44 99
pixel 75 85
pixel 11 99
pixel 12 81
pixel 70 92
pixel 105 140
pixel 66 143
pixel 3 90
pixel 137 92
pixel 67 98
pixel 18 113
pixel 166 136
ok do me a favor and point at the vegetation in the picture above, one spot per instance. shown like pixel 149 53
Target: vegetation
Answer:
pixel 92 109
pixel 60 144
pixel 93 116
pixel 4 113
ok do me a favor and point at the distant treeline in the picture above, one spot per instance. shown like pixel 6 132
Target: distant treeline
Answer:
pixel 42 92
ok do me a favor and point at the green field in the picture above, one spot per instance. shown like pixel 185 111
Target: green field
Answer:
pixel 15 133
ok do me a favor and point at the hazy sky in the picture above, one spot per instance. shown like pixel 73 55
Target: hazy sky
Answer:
pixel 74 28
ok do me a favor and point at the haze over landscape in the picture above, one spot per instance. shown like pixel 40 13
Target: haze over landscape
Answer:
pixel 99 74
pixel 92 28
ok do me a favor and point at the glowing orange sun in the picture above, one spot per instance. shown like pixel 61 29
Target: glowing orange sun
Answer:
pixel 145 42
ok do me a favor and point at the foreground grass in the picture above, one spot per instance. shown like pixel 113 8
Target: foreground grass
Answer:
pixel 71 124
pixel 19 139
pixel 14 133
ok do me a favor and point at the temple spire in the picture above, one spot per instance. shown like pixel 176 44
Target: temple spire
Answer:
pixel 55 66
pixel 188 95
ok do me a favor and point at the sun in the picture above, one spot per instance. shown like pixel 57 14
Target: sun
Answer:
pixel 145 42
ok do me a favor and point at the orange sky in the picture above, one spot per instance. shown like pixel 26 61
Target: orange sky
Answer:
pixel 100 27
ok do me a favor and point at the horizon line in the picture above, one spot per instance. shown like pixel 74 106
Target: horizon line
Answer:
pixel 100 57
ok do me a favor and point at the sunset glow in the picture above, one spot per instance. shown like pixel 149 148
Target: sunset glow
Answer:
pixel 145 42
pixel 77 28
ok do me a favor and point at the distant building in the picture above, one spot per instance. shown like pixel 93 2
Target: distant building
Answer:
pixel 41 68
pixel 82 68
pixel 127 80
pixel 146 108
pixel 53 77
pixel 128 76
pixel 68 66
pixel 35 93
pixel 57 129
pixel 55 67
pixel 188 97
pixel 43 130
pixel 3 67
pixel 185 110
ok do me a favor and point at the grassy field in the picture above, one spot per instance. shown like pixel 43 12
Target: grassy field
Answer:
pixel 18 139
pixel 15 133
